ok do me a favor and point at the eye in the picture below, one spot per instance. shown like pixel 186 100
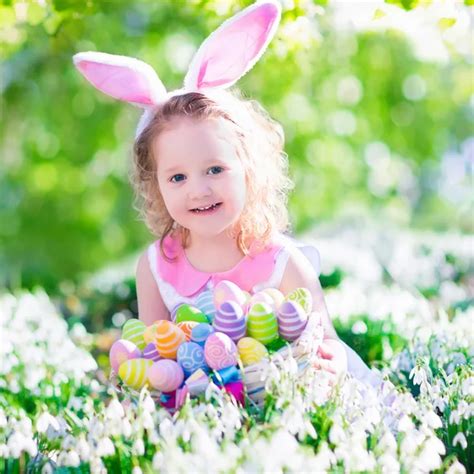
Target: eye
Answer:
pixel 216 169
pixel 177 178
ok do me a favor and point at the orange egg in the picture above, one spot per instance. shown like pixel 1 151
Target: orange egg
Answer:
pixel 187 327
pixel 168 339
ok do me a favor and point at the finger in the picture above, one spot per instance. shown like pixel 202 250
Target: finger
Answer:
pixel 323 364
pixel 325 352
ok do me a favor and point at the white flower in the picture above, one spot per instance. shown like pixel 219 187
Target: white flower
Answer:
pixel 105 447
pixel 460 439
pixel 114 410
pixel 456 468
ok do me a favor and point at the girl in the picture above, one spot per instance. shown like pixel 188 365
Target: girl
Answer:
pixel 210 173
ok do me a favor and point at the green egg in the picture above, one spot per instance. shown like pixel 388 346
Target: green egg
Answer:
pixel 187 312
pixel 262 323
pixel 303 297
pixel 133 331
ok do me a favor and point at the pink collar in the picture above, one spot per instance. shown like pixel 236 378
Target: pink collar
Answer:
pixel 188 281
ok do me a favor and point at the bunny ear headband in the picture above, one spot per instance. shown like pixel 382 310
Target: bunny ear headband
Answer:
pixel 223 58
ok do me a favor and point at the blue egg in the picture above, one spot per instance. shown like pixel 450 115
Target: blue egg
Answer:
pixel 201 332
pixel 191 358
pixel 205 302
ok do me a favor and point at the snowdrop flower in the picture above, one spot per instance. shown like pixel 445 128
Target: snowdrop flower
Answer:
pixel 460 439
pixel 105 447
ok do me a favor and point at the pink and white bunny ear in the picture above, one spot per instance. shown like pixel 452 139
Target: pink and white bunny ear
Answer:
pixel 121 77
pixel 233 49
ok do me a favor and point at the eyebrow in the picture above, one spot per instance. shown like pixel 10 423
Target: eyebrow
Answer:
pixel 207 162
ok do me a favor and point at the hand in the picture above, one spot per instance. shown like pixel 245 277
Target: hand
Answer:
pixel 332 359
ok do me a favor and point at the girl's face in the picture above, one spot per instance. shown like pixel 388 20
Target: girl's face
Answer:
pixel 200 175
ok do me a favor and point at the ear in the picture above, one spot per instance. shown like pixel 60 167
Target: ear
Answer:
pixel 232 50
pixel 121 77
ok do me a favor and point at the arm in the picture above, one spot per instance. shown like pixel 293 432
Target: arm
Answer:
pixel 150 303
pixel 298 273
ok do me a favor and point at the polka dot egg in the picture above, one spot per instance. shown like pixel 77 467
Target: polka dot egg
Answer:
pixel 292 320
pixel 133 331
pixel 121 351
pixel 191 357
pixel 230 320
pixel 166 375
pixel 220 351
pixel 134 372
pixel 168 338
pixel 262 323
pixel 251 351
pixel 303 297
pixel 205 302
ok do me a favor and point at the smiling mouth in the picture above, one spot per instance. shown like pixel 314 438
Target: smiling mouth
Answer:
pixel 206 209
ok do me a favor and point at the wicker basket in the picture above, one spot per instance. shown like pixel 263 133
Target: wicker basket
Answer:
pixel 254 376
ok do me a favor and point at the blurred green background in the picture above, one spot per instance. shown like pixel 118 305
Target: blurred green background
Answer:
pixel 377 102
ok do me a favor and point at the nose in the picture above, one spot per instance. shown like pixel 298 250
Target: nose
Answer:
pixel 199 189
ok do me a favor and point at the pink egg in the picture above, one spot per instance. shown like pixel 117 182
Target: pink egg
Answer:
pixel 121 351
pixel 292 320
pixel 220 351
pixel 165 375
pixel 151 352
pixel 230 320
pixel 227 291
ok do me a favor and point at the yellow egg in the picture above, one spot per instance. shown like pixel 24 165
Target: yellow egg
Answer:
pixel 251 351
pixel 134 372
pixel 303 297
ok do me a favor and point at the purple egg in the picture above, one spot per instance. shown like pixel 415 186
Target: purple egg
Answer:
pixel 151 352
pixel 292 320
pixel 230 320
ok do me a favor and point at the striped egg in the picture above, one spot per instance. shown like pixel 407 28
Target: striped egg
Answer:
pixel 205 302
pixel 262 323
pixel 303 297
pixel 134 372
pixel 186 312
pixel 149 334
pixel 151 352
pixel 220 351
pixel 276 295
pixel 227 291
pixel 187 327
pixel 133 331
pixel 121 351
pixel 292 320
pixel 251 351
pixel 168 338
pixel 201 332
pixel 191 358
pixel 230 320
pixel 166 375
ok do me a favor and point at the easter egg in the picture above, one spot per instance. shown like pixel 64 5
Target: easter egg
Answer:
pixel 121 351
pixel 303 297
pixel 227 291
pixel 149 334
pixel 220 351
pixel 186 312
pixel 276 295
pixel 133 373
pixel 197 382
pixel 201 332
pixel 292 319
pixel 230 320
pixel 251 351
pixel 166 375
pixel 205 302
pixel 262 323
pixel 168 338
pixel 187 328
pixel 133 331
pixel 261 297
pixel 191 357
pixel 151 352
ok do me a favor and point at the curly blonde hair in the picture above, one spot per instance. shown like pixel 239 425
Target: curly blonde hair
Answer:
pixel 260 142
